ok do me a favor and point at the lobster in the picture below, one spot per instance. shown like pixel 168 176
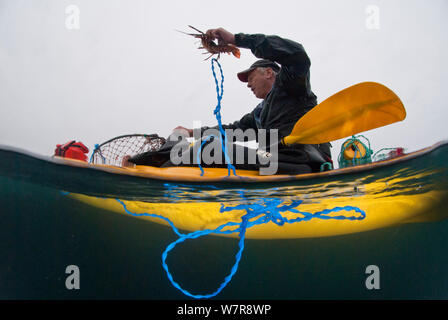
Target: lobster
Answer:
pixel 213 48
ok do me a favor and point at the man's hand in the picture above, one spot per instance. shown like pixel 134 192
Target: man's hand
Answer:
pixel 224 37
pixel 125 162
pixel 180 128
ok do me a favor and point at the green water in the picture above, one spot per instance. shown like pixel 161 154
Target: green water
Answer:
pixel 119 257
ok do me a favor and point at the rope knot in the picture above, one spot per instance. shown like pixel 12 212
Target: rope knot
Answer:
pixel 276 218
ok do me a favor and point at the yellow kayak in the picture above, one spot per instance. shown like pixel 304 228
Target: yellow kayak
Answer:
pixel 407 189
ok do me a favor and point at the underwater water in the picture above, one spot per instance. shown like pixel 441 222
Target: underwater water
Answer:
pixel 119 257
pixel 43 231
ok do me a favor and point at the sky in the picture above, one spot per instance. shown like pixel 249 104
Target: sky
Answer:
pixel 92 70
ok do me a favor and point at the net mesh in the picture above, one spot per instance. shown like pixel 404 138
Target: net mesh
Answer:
pixel 117 150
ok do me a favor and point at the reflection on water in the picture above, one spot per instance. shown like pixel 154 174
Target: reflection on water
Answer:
pixel 406 181
pixel 413 176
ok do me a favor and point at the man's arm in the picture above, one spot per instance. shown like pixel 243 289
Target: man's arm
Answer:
pixel 295 63
pixel 246 122
pixel 294 74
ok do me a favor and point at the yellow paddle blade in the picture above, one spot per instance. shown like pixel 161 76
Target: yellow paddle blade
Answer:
pixel 362 107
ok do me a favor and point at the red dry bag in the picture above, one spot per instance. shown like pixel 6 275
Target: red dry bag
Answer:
pixel 73 150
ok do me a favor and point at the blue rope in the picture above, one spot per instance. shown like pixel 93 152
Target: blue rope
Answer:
pixel 261 212
pixel 217 113
pixel 97 146
pixel 150 215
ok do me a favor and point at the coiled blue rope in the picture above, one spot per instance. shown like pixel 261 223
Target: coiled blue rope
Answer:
pixel 217 113
pixel 260 212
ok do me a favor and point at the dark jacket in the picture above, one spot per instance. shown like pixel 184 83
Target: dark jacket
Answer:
pixel 290 98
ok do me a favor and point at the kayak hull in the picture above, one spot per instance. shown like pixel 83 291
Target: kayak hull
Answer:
pixel 408 189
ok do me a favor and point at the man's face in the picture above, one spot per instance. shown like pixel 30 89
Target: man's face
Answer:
pixel 260 82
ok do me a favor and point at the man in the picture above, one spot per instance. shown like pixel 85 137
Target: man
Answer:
pixel 286 94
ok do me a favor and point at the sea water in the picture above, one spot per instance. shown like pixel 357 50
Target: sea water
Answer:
pixel 42 232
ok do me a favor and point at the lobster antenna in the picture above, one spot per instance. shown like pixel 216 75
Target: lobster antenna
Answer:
pixel 190 34
pixel 196 29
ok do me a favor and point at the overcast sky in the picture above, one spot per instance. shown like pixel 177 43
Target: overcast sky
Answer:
pixel 125 69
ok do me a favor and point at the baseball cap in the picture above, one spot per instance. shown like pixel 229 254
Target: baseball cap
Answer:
pixel 263 63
